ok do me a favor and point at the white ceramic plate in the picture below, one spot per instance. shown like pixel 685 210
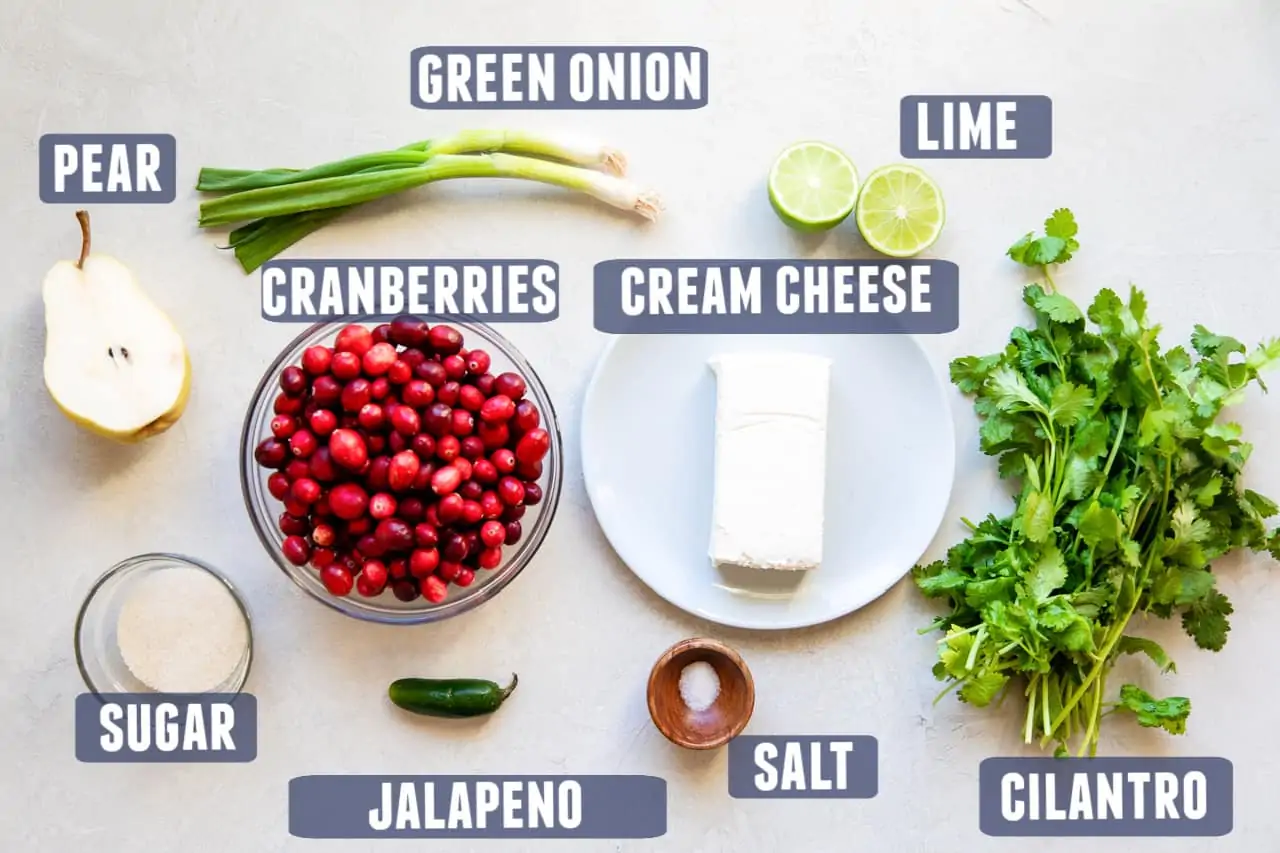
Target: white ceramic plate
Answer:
pixel 648 449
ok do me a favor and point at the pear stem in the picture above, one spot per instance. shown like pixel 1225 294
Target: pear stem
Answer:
pixel 82 216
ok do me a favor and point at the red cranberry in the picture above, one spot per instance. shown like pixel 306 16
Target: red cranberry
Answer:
pixel 533 445
pixel 405 590
pixel 446 480
pixel 399 372
pixel 326 390
pixel 297 469
pixel 510 384
pixel 397 443
pixel 424 445
pixel 378 360
pixel 413 357
pixel 513 532
pixel 455 549
pixel 337 579
pixel 376 572
pixel 293 381
pixel 405 420
pixel 526 416
pixel 466 577
pixel 292 525
pixel 346 365
pixel 491 504
pixel 470 398
pixel 348 501
pixel 494 436
pixel 381 333
pixel 448 570
pixel 371 416
pixel 477 362
pixel 394 534
pixel 292 507
pixel 417 393
pixel 449 508
pixel 497 409
pixel 438 419
pixel 445 340
pixel 403 470
pixel 348 449
pixel 433 588
pixel 513 513
pixel 370 546
pixel 322 557
pixel 409 331
pixel 316 360
pixel 464 467
pixel 532 494
pixel 490 558
pixel 286 405
pixel 379 474
pixel 379 388
pixel 472 447
pixel 367 587
pixel 398 568
pixel 411 509
pixel 321 508
pixel 425 535
pixel 302 443
pixel 321 465
pixel 493 533
pixel 471 490
pixel 278 485
pixel 448 393
pixel 432 372
pixel 305 491
pixel 472 512
pixel 510 490
pixel 282 426
pixel 323 534
pixel 529 470
pixel 354 339
pixel 423 561
pixel 422 482
pixel 463 423
pixel 448 448
pixel 323 422
pixel 455 366
pixel 271 453
pixel 504 460
pixel 360 526
pixel 485 383
pixel 382 505
pixel 296 550
pixel 355 395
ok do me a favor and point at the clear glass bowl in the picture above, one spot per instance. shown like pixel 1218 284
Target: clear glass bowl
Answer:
pixel 97 652
pixel 264 510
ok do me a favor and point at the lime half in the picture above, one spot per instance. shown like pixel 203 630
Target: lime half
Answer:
pixel 812 186
pixel 900 211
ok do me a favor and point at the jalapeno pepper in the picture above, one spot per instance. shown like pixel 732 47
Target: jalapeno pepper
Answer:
pixel 449 697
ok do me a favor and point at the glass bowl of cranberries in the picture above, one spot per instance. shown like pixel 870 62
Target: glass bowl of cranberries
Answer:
pixel 402 472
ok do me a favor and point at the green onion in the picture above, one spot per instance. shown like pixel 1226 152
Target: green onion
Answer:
pixel 282 206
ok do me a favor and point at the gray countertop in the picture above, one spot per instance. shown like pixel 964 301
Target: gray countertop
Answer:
pixel 1166 130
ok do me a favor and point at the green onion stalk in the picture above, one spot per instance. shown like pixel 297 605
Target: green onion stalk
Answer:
pixel 282 206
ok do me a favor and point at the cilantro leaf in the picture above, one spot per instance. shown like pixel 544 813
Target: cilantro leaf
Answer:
pixel 1206 621
pixel 983 687
pixel 1070 404
pixel 1142 646
pixel 1169 714
pixel 1056 246
pixel 1059 308
pixel 1048 573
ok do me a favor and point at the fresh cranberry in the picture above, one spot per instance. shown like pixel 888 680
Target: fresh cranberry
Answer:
pixel 438 419
pixel 417 393
pixel 426 535
pixel 271 453
pixel 403 470
pixel 533 445
pixel 413 356
pixel 405 590
pixel 446 480
pixel 493 533
pixel 463 423
pixel 286 405
pixel 504 460
pixel 370 546
pixel 322 557
pixel 477 362
pixel 491 504
pixel 423 561
pixel 411 509
pixel 355 339
pixel 346 365
pixel 472 447
pixel 483 471
pixel 529 470
pixel 472 512
pixel 382 505
pixel 448 448
pixel 360 526
pixel 292 525
pixel 448 570
pixel 379 474
pixel 378 360
pixel 432 372
pixel 399 372
pixel 278 485
pixel 316 360
pixel 305 491
pixel 321 465
pixel 490 558
pixel 445 340
pixel 381 333
pixel 526 416
pixel 326 390
pixel 485 383
pixel 282 426
pixel 398 568
pixel 394 534
pixel 497 409
pixel 297 469
pixel 303 443
pixel 513 532
pixel 510 385
pixel 466 577
pixel 296 550
pixel 470 398
pixel 494 436
pixel 511 491
pixel 405 421
pixel 337 579
pixel 449 507
pixel 471 490
pixel 371 416
pixel 348 501
pixel 409 331
pixel 356 395
pixel 323 422
pixel 376 572
pixel 323 534
pixel 532 494
pixel 448 393
pixel 396 442
pixel 293 381
pixel 433 588
pixel 424 445
pixel 455 366
pixel 348 449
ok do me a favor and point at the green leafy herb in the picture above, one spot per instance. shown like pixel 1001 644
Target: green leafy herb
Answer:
pixel 1128 488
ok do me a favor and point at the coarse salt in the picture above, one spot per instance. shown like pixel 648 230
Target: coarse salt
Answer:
pixel 699 685
pixel 181 631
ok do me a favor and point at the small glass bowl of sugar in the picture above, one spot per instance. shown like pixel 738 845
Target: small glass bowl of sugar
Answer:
pixel 163 623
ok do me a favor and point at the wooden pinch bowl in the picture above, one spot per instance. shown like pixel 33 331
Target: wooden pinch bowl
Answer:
pixel 727 716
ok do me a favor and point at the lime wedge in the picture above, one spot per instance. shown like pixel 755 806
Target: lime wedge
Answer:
pixel 812 186
pixel 900 211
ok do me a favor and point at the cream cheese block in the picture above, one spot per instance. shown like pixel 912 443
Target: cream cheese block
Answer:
pixel 770 459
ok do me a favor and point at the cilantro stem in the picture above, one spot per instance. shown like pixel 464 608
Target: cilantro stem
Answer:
pixel 977 644
pixel 1048 277
pixel 1029 728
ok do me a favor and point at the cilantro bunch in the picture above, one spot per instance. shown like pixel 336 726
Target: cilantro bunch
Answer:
pixel 1128 485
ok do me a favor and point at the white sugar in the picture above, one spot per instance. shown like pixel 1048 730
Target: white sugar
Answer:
pixel 699 685
pixel 181 631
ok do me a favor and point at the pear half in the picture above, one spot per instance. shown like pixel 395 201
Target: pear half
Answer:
pixel 113 361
